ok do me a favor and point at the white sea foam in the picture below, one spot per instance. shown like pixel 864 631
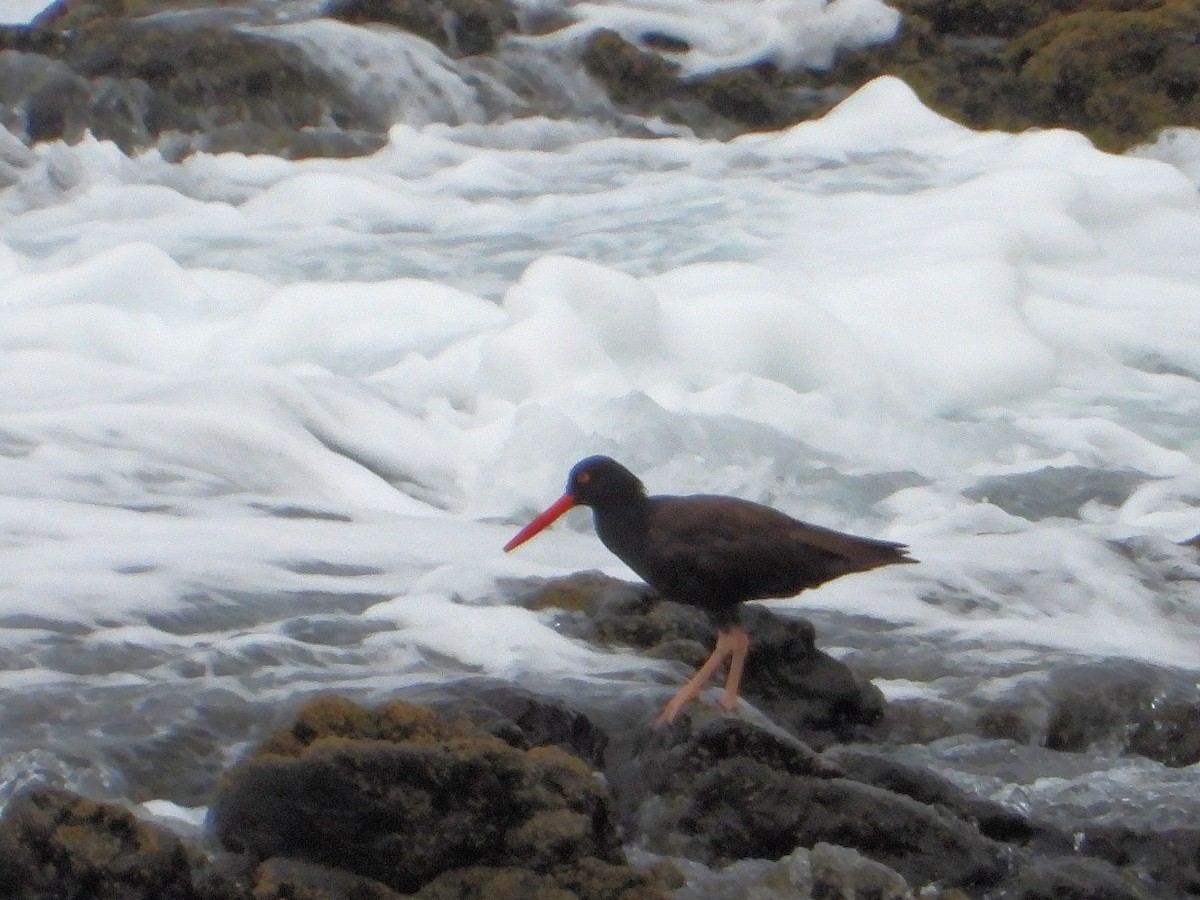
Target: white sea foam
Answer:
pixel 265 425
pixel 19 12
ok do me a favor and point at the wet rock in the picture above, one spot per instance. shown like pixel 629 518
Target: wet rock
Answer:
pixel 69 15
pixel 1166 861
pixel 240 878
pixel 459 27
pixel 991 18
pixel 753 97
pixel 609 611
pixel 652 770
pixel 632 76
pixel 285 142
pixel 795 684
pixel 54 843
pixel 487 883
pixel 844 873
pixel 718 789
pixel 993 820
pixel 1169 732
pixel 590 880
pixel 401 795
pixel 804 689
pixel 517 716
pixel 1113 707
pixel 31 39
pixel 741 808
pixel 1069 878
pixel 1118 70
pixel 133 81
pixel 1055 490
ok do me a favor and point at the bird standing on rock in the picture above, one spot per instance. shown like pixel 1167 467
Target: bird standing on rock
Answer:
pixel 712 552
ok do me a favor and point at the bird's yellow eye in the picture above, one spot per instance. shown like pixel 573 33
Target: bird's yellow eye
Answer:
pixel 583 477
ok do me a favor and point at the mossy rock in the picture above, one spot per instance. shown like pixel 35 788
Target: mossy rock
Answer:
pixel 743 95
pixel 56 844
pixel 336 717
pixel 131 82
pixel 67 15
pixel 1118 76
pixel 401 795
pixel 1004 18
pixel 575 593
pixel 632 76
pixel 459 27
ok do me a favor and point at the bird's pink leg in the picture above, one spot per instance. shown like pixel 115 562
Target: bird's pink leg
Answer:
pixel 739 646
pixel 732 642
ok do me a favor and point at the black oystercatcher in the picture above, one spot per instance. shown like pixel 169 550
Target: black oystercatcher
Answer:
pixel 712 552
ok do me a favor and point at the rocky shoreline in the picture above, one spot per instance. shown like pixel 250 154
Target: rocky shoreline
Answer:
pixel 482 789
pixel 193 77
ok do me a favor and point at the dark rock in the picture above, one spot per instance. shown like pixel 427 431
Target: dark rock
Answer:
pixel 56 844
pixel 1118 70
pixel 31 39
pixel 1115 707
pixel 136 70
pixel 1074 878
pixel 839 872
pixel 995 18
pixel 666 43
pixel 744 95
pixel 489 883
pixel 733 100
pixel 1126 707
pixel 459 27
pixel 517 716
pixel 289 143
pixel 803 689
pixel 1055 490
pixel 992 819
pixel 651 770
pixel 1169 732
pixel 589 880
pixel 1168 861
pixel 632 76
pixel 284 879
pixel 133 81
pixel 71 15
pixel 742 808
pixel 401 795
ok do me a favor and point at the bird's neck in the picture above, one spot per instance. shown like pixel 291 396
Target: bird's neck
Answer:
pixel 622 527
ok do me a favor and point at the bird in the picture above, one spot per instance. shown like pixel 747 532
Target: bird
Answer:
pixel 710 551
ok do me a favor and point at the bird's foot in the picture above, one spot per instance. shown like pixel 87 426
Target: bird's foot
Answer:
pixel 676 704
pixel 674 707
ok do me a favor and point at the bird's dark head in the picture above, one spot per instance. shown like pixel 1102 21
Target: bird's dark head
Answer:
pixel 597 481
pixel 602 481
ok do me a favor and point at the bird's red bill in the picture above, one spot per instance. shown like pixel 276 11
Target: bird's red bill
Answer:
pixel 556 509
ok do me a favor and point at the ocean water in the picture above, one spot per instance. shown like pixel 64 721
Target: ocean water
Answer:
pixel 265 425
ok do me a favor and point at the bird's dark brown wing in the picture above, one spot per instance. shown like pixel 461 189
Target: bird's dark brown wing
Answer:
pixel 723 550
